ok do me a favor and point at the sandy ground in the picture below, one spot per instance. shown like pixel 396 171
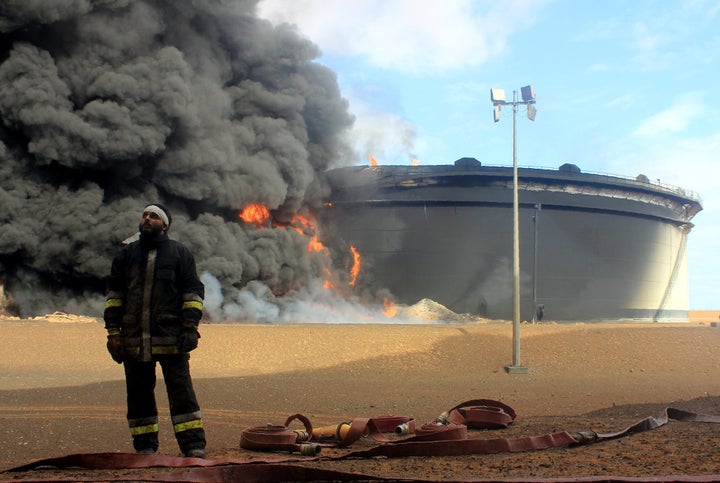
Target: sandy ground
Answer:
pixel 61 394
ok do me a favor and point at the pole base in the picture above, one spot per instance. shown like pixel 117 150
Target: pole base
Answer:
pixel 516 369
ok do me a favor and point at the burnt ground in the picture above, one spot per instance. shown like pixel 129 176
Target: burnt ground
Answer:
pixel 60 394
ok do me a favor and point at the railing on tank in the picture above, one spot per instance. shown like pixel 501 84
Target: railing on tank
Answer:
pixel 666 186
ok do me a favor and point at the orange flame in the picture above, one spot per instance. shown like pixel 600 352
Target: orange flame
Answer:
pixel 256 214
pixel 355 270
pixel 303 220
pixel 373 161
pixel 389 310
pixel 300 224
pixel 327 283
pixel 314 245
pixel 415 162
pixel 306 227
pixel 259 216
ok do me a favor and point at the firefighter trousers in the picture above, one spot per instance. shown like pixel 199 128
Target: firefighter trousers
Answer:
pixel 142 411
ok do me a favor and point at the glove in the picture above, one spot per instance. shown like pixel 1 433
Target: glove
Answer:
pixel 115 347
pixel 188 339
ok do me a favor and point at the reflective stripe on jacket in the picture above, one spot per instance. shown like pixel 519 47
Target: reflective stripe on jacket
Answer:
pixel 152 289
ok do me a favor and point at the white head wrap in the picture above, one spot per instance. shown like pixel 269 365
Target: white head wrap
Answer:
pixel 159 212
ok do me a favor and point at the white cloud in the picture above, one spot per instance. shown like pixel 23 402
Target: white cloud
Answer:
pixel 685 162
pixel 407 35
pixel 622 101
pixel 645 41
pixel 663 147
pixel 675 119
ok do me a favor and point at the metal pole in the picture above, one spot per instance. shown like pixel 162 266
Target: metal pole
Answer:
pixel 536 223
pixel 516 368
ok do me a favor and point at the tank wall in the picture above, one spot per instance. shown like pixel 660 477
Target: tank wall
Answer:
pixel 590 265
pixel 604 265
pixel 454 255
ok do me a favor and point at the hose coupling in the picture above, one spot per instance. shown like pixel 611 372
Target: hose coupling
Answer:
pixel 309 449
pixel 443 419
pixel 585 437
pixel 301 435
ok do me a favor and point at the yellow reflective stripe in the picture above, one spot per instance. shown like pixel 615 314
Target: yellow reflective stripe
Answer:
pixel 192 304
pixel 194 424
pixel 150 428
pixel 164 350
pixel 132 351
pixel 160 350
pixel 113 303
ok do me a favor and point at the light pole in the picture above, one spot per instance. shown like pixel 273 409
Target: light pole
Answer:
pixel 497 96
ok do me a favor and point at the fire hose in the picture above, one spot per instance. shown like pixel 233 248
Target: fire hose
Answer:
pixel 451 425
pixel 445 436
pixel 280 438
pixel 480 414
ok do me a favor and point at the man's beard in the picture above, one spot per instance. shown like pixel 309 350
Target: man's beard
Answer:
pixel 154 232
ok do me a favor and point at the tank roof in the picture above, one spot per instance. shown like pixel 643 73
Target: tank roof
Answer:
pixel 415 183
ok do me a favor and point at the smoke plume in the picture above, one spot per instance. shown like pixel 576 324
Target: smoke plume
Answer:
pixel 109 104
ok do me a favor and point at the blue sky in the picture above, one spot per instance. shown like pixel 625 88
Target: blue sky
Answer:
pixel 623 87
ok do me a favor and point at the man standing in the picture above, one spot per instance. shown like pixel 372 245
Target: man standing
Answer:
pixel 152 310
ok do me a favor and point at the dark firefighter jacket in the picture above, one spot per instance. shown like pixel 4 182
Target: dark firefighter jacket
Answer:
pixel 153 290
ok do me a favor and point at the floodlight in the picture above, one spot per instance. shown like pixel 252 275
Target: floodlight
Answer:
pixel 497 95
pixel 496 113
pixel 528 93
pixel 531 111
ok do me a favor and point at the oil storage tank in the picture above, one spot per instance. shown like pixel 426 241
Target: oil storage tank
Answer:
pixel 592 246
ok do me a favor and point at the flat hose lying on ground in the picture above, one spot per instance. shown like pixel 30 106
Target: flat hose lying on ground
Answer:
pixel 441 437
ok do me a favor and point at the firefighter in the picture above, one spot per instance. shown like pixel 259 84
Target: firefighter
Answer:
pixel 153 307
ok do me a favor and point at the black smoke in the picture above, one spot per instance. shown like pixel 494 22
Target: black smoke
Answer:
pixel 200 105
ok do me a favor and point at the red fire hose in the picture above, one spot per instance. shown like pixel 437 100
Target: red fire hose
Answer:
pixel 450 426
pixel 280 438
pixel 446 436
pixel 480 414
